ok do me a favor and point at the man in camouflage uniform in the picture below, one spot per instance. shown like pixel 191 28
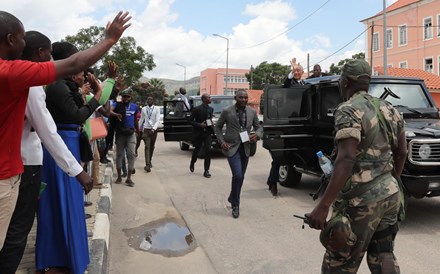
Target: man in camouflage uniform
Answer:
pixel 371 151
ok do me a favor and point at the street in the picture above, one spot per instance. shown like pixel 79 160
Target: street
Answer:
pixel 265 239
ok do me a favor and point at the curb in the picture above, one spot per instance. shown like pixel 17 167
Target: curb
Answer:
pixel 101 230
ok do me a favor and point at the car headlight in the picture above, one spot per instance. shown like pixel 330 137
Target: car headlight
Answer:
pixel 424 151
pixel 410 134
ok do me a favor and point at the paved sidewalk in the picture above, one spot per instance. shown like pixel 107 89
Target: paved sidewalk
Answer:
pixel 98 227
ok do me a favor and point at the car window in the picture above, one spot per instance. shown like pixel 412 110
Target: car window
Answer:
pixel 283 103
pixel 410 95
pixel 218 104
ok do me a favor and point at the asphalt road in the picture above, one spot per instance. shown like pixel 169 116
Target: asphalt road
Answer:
pixel 265 239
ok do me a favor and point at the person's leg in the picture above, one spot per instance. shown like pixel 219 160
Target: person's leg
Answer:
pixel 207 142
pixel 244 160
pixel 147 147
pixel 153 138
pixel 197 141
pixel 380 254
pixel 124 161
pixel 237 178
pixel 274 176
pixel 22 220
pixel 8 198
pixel 130 148
pixel 138 142
pixel 120 151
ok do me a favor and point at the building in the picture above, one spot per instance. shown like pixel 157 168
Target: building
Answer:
pixel 213 81
pixel 412 36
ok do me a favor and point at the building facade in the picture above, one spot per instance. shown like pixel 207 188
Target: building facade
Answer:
pixel 412 36
pixel 216 82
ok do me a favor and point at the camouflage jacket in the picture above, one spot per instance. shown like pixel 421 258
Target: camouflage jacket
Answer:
pixel 357 118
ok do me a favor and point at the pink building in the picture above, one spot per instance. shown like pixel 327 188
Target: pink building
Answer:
pixel 213 81
pixel 412 35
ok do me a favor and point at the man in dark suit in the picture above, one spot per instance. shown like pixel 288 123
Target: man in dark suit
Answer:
pixel 235 143
pixel 294 77
pixel 201 120
pixel 317 72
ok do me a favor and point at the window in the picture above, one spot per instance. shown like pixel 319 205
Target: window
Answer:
pixel 389 38
pixel 403 64
pixel 438 25
pixel 427 23
pixel 402 35
pixel 376 41
pixel 428 65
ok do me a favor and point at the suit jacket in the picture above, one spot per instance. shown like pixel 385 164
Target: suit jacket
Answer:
pixel 232 136
pixel 200 114
pixel 292 82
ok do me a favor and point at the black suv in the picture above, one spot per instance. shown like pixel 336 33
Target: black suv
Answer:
pixel 299 121
pixel 177 127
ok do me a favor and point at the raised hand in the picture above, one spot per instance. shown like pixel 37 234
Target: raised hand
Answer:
pixel 112 69
pixel 115 29
pixel 294 64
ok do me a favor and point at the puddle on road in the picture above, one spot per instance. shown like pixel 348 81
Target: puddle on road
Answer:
pixel 168 237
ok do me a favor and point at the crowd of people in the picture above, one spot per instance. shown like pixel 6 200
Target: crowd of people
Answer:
pixel 42 139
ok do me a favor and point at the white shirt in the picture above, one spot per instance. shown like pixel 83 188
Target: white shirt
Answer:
pixel 150 117
pixel 40 119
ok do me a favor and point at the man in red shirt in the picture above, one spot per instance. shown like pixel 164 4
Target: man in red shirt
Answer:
pixel 16 77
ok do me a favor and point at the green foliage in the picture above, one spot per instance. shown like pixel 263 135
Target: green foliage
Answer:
pixel 132 60
pixel 154 88
pixel 336 69
pixel 267 73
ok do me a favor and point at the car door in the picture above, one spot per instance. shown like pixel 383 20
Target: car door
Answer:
pixel 175 121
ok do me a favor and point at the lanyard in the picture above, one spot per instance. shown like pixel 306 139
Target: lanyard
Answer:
pixel 149 112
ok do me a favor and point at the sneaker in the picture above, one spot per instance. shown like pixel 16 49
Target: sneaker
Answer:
pixel 129 182
pixel 118 180
pixel 147 168
pixel 235 212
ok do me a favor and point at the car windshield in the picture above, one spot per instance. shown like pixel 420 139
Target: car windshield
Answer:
pixel 218 104
pixel 408 95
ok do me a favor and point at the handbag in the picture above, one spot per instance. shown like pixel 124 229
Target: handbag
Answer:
pixel 98 128
pixel 85 150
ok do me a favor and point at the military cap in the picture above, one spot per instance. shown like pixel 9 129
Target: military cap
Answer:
pixel 356 68
pixel 337 234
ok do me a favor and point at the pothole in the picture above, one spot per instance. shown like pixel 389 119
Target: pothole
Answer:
pixel 168 237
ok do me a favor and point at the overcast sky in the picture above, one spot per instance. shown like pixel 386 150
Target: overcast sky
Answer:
pixel 180 31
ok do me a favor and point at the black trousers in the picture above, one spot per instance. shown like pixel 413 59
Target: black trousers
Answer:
pixel 22 220
pixel 204 140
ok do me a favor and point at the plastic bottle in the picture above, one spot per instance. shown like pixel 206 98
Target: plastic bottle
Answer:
pixel 325 163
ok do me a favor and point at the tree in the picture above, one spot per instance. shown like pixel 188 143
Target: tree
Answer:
pixel 266 73
pixel 154 88
pixel 132 60
pixel 336 69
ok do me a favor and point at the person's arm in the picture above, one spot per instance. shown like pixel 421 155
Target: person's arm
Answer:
pixel 41 120
pixel 342 171
pixel 136 120
pixel 142 119
pixel 399 155
pixel 109 83
pixel 60 95
pixel 257 127
pixel 84 59
pixel 192 118
pixel 157 118
pixel 218 130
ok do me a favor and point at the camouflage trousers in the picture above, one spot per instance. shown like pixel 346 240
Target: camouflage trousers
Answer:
pixel 365 221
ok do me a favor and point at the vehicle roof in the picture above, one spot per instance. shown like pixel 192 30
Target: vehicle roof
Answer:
pixel 334 78
pixel 198 97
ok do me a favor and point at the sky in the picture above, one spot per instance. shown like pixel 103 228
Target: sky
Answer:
pixel 181 31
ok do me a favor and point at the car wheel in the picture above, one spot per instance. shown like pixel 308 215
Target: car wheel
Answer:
pixel 184 146
pixel 253 149
pixel 289 177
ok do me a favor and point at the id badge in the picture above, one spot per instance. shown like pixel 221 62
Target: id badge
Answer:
pixel 209 122
pixel 244 136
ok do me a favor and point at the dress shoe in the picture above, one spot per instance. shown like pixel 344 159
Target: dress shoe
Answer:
pixel 274 189
pixel 147 168
pixel 206 174
pixel 235 212
pixel 104 160
pixel 191 167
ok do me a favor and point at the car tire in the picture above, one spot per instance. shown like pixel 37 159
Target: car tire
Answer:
pixel 289 177
pixel 184 146
pixel 253 149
